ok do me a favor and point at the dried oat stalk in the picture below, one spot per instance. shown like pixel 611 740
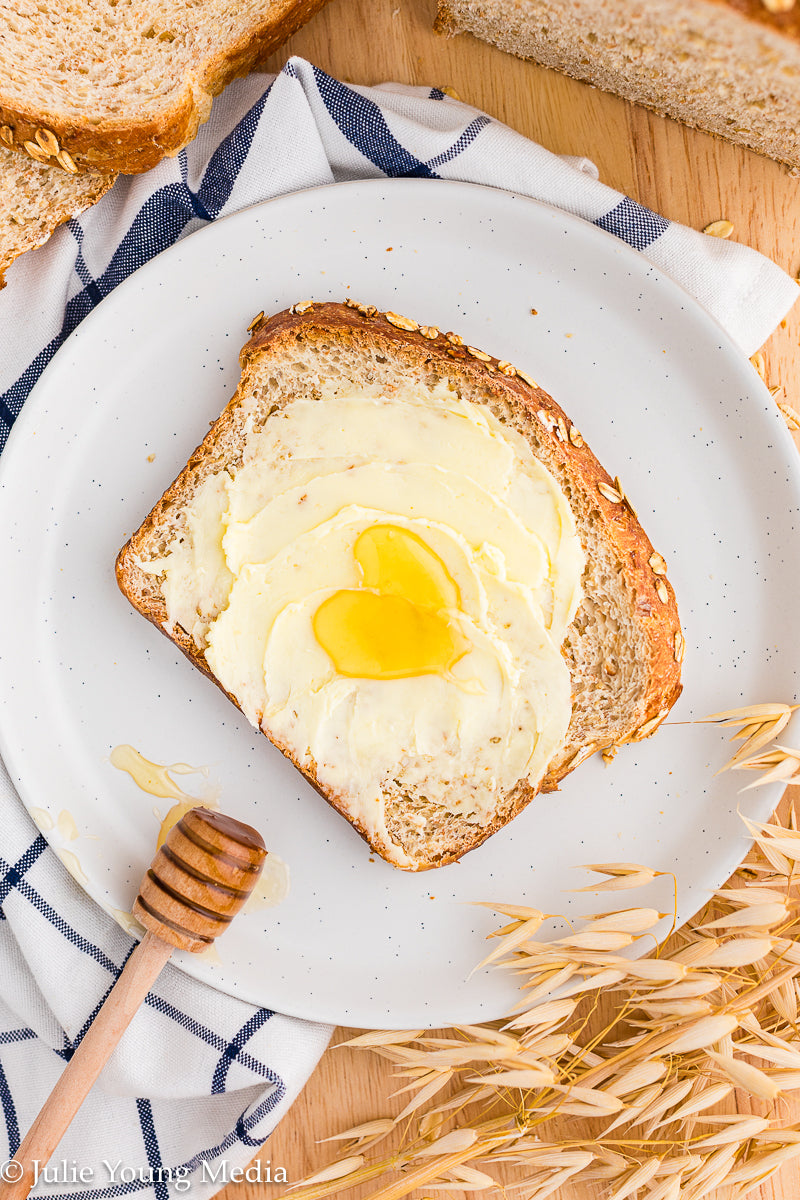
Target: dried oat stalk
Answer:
pixel 688 1026
pixel 755 727
pixel 780 764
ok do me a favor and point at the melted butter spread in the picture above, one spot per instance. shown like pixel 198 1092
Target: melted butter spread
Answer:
pixel 384 585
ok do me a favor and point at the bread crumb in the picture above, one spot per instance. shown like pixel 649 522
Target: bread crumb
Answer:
pixel 151 458
pixel 534 312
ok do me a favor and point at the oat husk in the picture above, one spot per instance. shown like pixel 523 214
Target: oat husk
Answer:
pixel 708 1015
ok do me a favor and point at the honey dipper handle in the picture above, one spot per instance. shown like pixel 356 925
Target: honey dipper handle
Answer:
pixel 39 1144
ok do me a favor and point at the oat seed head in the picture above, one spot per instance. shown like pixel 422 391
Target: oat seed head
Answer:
pixel 47 141
pixel 65 160
pixel 719 229
pixel 35 151
pixel 791 416
pixel 406 323
pixel 610 493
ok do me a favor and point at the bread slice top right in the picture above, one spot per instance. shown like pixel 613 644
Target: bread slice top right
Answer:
pixel 621 642
pixel 120 85
pixel 729 67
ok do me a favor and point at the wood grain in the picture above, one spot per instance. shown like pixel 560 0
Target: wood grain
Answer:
pixel 686 175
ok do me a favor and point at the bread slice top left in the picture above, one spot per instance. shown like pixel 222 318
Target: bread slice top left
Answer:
pixel 119 86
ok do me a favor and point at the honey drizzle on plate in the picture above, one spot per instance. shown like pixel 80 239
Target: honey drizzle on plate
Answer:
pixel 156 779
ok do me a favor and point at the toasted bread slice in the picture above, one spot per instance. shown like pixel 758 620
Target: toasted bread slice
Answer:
pixel 728 67
pixel 119 86
pixel 353 372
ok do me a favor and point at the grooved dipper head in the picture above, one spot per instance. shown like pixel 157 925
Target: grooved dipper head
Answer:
pixel 199 879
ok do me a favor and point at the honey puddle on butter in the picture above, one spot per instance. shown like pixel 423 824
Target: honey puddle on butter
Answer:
pixel 156 779
pixel 395 625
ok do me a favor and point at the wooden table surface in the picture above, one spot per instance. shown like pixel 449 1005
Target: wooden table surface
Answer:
pixel 687 176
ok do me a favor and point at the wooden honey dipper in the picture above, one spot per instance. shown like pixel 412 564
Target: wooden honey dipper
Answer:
pixel 197 883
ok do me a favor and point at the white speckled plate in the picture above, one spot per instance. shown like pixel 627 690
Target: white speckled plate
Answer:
pixel 663 398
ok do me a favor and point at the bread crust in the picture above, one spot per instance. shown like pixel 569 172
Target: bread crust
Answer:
pixel 513 396
pixel 134 143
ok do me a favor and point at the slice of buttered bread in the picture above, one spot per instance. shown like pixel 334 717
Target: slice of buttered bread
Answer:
pixel 399 558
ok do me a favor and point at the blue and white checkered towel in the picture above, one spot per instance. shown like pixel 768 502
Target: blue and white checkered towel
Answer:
pixel 201 1079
